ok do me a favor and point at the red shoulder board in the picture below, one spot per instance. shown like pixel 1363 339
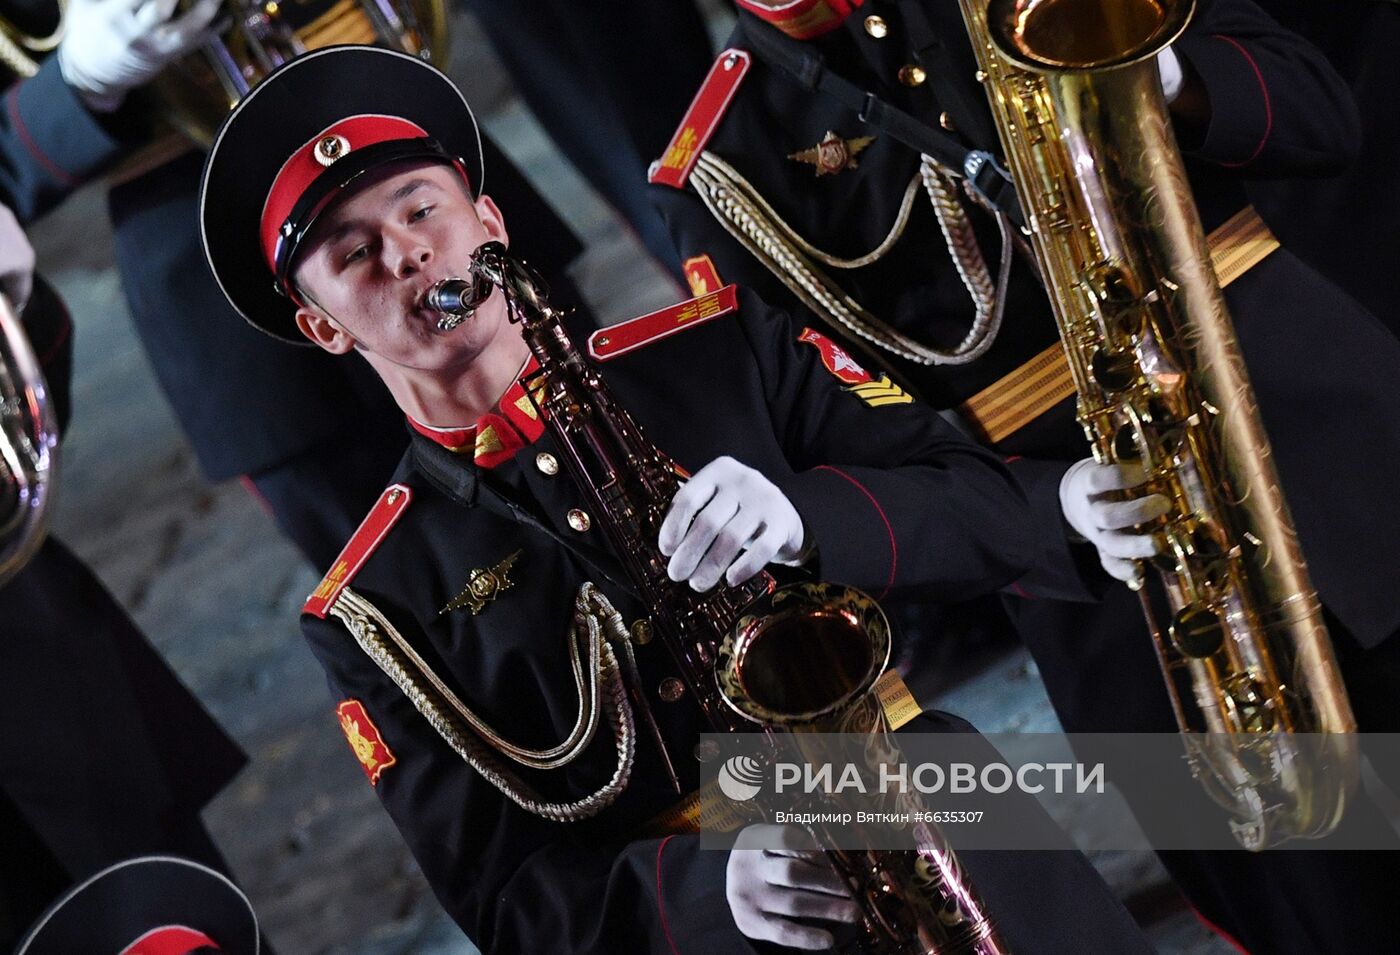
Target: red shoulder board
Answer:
pixel 803 19
pixel 375 527
pixel 608 343
pixel 701 120
pixel 701 274
pixel 836 359
pixel 364 739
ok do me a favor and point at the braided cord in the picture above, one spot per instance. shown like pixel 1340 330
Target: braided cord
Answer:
pixel 595 623
pixel 755 225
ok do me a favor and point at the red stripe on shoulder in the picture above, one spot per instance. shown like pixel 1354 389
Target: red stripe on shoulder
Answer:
pixel 371 533
pixel 701 120
pixel 608 343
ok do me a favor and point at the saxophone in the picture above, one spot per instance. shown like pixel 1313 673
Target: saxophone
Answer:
pixel 1161 382
pixel 799 658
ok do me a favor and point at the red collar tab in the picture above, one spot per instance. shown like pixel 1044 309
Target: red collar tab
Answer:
pixel 316 156
pixel 701 120
pixel 169 940
pixel 371 533
pixel 803 19
pixel 608 343
pixel 513 424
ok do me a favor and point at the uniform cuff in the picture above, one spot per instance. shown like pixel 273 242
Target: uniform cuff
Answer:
pixel 57 129
pixel 1062 570
pixel 1241 112
pixel 849 531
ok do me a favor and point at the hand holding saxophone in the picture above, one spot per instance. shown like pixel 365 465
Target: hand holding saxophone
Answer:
pixel 111 47
pixel 731 521
pixel 768 888
pixel 1093 500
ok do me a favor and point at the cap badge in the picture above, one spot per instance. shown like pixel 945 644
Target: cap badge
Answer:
pixel 833 154
pixel 330 148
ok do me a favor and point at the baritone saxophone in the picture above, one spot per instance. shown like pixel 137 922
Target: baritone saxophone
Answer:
pixel 1161 382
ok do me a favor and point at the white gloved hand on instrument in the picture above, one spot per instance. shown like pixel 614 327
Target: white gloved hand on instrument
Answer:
pixel 1172 76
pixel 768 888
pixel 731 521
pixel 1086 497
pixel 111 47
pixel 16 260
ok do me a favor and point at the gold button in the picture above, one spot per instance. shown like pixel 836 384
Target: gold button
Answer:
pixel 579 520
pixel 876 27
pixel 641 632
pixel 945 121
pixel 706 750
pixel 671 689
pixel 547 463
pixel 911 75
pixel 394 496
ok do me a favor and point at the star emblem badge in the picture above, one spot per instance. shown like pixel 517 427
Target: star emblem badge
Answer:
pixel 833 154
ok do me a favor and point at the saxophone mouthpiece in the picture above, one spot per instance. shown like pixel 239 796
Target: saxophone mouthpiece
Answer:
pixel 455 299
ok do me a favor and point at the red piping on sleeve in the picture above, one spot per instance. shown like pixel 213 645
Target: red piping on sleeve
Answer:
pixel 894 547
pixel 661 899
pixel 1229 939
pixel 47 357
pixel 1019 591
pixel 55 170
pixel 1268 105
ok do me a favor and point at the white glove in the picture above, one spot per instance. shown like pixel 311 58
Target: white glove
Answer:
pixel 1108 524
pixel 1169 71
pixel 16 260
pixel 728 520
pixel 768 888
pixel 113 46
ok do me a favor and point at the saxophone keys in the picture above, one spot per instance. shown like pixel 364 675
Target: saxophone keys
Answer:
pixel 1197 632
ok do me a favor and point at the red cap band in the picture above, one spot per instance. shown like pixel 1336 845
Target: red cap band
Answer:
pixel 169 940
pixel 318 154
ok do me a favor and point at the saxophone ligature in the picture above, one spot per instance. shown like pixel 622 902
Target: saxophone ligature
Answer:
pixel 28 446
pixel 1161 382
pixel 799 658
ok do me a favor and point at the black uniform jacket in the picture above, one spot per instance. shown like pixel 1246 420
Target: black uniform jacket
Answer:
pixel 1320 364
pixel 247 401
pixel 105 754
pixel 1343 224
pixel 893 497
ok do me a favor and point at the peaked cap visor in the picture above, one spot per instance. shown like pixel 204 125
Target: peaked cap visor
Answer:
pixel 113 908
pixel 284 112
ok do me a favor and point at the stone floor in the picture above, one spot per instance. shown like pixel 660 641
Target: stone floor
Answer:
pixel 205 573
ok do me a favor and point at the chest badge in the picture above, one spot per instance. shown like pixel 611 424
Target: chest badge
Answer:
pixel 833 154
pixel 483 586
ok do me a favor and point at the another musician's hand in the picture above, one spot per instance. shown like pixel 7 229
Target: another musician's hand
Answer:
pixel 768 888
pixel 1093 506
pixel 113 46
pixel 16 260
pixel 730 521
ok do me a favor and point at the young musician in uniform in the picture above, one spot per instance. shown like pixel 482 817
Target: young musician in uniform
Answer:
pixel 337 194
